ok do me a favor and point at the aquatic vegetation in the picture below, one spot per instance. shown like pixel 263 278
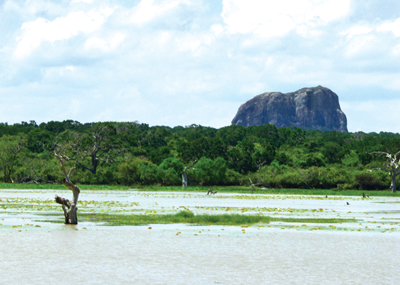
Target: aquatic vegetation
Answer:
pixel 187 217
pixel 182 217
pixel 257 211
pixel 313 220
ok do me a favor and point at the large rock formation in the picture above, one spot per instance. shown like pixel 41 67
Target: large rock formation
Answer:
pixel 308 108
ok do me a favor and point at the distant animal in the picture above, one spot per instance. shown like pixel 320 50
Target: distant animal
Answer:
pixel 365 196
pixel 326 196
pixel 347 203
pixel 211 192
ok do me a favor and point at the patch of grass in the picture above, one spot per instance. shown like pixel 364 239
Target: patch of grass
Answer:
pixel 60 221
pixel 313 220
pixel 182 217
pixel 187 217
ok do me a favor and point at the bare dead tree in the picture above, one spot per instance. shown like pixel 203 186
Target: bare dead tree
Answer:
pixel 97 146
pixel 392 167
pixel 260 162
pixel 184 176
pixel 252 185
pixel 71 216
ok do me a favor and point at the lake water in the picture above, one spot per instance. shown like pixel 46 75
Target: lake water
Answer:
pixel 36 252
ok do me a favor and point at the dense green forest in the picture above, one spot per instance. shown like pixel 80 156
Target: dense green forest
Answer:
pixel 131 153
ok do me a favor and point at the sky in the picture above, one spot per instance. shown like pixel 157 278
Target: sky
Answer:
pixel 183 62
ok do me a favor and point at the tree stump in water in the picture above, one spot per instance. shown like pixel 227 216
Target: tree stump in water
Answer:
pixel 71 216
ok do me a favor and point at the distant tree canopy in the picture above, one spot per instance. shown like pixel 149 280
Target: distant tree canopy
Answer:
pixel 270 156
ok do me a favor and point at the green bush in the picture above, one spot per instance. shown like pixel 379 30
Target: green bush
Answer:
pixel 210 172
pixel 169 171
pixel 370 181
pixel 130 171
pixel 291 179
pixel 148 174
pixel 232 177
pixel 330 177
pixel 313 159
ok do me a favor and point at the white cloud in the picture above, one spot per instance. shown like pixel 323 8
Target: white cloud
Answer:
pixel 62 28
pixel 391 26
pixel 361 45
pixel 148 10
pixel 82 1
pixel 356 31
pixel 69 68
pixel 217 29
pixel 257 88
pixel 372 115
pixel 277 18
pixel 105 45
pixel 396 50
pixel 372 39
pixel 29 8
pixel 196 44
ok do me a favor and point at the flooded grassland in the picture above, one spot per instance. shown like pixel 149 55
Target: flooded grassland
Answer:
pixel 294 247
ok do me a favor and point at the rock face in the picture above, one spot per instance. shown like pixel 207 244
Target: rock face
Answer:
pixel 308 108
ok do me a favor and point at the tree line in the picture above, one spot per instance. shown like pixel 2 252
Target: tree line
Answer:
pixel 132 153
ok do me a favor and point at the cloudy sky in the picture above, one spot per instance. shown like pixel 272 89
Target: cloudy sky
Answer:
pixel 179 62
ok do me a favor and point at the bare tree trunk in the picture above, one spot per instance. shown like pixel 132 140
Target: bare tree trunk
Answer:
pixel 97 146
pixel 184 179
pixel 251 186
pixel 393 184
pixel 392 167
pixel 71 216
pixel 184 176
pixel 73 211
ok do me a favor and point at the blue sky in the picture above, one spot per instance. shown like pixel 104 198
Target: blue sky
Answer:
pixel 182 62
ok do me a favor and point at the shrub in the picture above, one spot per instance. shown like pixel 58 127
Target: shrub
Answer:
pixel 291 179
pixel 369 181
pixel 232 177
pixel 130 171
pixel 169 171
pixel 148 174
pixel 210 172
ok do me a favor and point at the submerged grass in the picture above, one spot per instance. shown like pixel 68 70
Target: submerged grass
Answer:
pixel 182 217
pixel 187 217
pixel 313 220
